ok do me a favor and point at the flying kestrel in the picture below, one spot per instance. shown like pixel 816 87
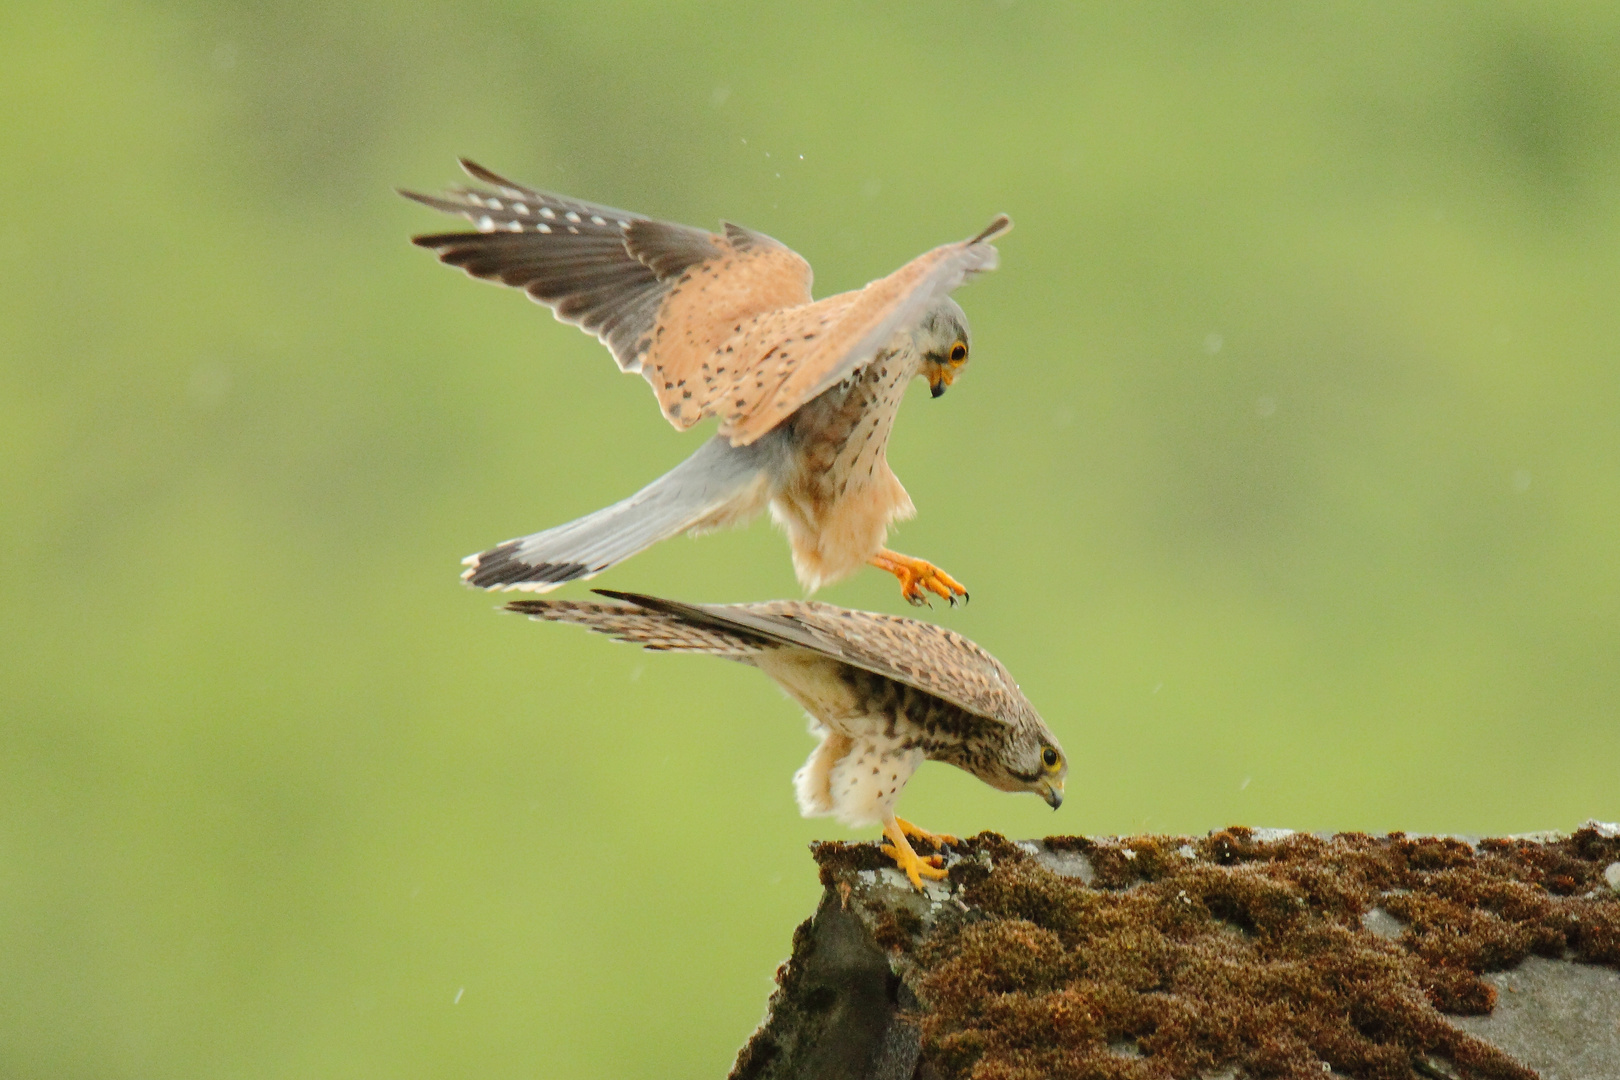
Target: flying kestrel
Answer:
pixel 723 325
pixel 884 694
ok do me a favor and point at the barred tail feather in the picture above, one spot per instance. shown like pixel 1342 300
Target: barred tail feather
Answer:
pixel 719 485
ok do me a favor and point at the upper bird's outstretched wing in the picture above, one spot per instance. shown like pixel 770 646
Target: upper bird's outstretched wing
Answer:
pixel 719 324
pixel 621 276
pixel 929 658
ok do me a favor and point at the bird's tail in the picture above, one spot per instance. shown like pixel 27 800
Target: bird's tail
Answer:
pixel 719 485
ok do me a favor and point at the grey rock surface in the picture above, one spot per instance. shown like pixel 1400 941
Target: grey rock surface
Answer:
pixel 1559 1018
pixel 835 1014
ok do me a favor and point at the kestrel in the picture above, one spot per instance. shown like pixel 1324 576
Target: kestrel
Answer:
pixel 884 694
pixel 723 325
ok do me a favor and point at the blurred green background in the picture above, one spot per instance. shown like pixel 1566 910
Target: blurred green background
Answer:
pixel 1286 478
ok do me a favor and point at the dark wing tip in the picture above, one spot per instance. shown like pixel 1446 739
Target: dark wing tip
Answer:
pixel 719 617
pixel 509 188
pixel 417 196
pixel 1001 224
pixel 437 240
pixel 478 172
pixel 652 603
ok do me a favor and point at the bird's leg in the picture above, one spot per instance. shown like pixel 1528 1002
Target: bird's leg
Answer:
pixel 900 851
pixel 917 575
pixel 939 840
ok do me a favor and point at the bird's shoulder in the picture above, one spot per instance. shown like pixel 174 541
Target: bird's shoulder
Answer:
pixel 852 327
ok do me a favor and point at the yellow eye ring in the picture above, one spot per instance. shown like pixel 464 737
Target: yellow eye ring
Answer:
pixel 959 352
pixel 1049 758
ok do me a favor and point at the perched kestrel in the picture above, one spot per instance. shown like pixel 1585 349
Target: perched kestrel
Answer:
pixel 883 693
pixel 723 325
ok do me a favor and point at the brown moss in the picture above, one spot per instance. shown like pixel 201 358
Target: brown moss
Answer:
pixel 1593 931
pixel 1225 952
pixel 1122 862
pixel 837 859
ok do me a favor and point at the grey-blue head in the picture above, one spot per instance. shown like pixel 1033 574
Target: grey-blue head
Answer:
pixel 943 339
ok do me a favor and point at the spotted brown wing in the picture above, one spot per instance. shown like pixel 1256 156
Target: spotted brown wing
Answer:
pixel 712 335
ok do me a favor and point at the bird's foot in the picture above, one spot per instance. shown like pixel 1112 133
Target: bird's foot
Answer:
pixel 938 840
pixel 919 577
pixel 915 866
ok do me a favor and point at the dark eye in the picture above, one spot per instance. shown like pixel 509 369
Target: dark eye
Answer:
pixel 1050 757
pixel 958 352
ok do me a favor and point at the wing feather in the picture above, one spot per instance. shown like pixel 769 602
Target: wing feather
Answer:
pixel 921 655
pixel 654 630
pixel 565 253
pixel 615 274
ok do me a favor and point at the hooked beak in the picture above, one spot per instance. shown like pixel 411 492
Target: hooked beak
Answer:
pixel 939 377
pixel 1053 793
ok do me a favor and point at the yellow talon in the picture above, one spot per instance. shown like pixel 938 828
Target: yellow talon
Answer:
pixel 939 840
pixel 918 577
pixel 916 868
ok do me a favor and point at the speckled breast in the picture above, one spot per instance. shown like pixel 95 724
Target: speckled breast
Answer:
pixel 844 431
